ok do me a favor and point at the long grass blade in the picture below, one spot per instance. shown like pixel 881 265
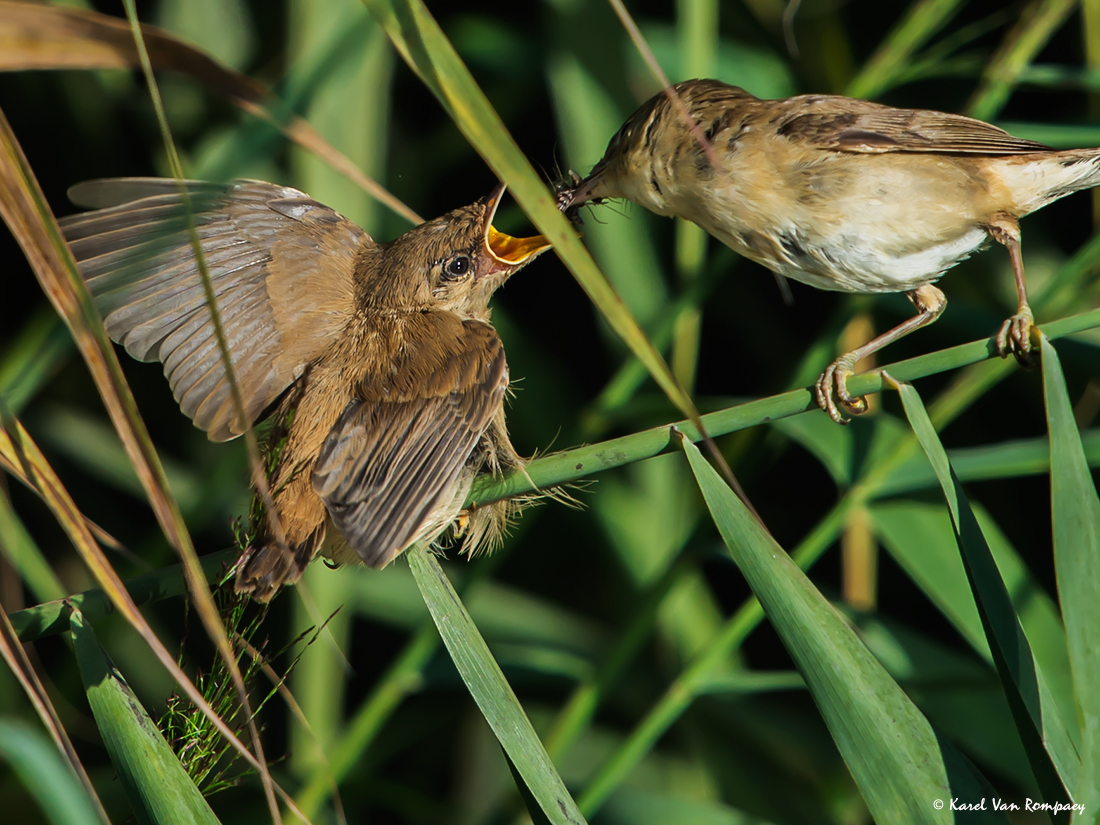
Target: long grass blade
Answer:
pixel 156 784
pixel 422 44
pixel 1053 757
pixel 580 709
pixel 24 555
pixel 490 690
pixel 32 358
pixel 17 660
pixel 403 677
pixel 1038 22
pixel 45 775
pixel 200 591
pixel 17 448
pixel 921 22
pixel 18 473
pixel 1009 459
pixel 1075 509
pixel 42 36
pixel 52 617
pixel 896 758
pixel 24 208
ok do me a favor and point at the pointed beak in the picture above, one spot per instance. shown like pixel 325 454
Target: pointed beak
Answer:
pixel 509 252
pixel 589 190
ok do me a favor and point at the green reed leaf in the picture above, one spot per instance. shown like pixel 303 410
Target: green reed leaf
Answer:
pixel 1049 746
pixel 1075 511
pixel 490 690
pixel 898 761
pixel 158 788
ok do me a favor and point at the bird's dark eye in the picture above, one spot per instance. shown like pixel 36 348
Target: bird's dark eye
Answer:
pixel 457 267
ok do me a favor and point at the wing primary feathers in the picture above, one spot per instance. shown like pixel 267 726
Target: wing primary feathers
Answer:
pixel 135 253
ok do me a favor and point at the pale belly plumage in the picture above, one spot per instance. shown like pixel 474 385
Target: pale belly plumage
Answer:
pixel 849 262
pixel 878 226
pixel 890 233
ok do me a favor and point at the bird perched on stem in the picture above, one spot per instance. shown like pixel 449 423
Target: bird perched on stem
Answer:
pixel 387 377
pixel 841 194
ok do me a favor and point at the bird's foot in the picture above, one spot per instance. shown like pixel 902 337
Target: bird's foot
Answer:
pixel 1015 336
pixel 837 375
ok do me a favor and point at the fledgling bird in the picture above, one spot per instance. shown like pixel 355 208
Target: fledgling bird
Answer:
pixel 387 376
pixel 841 194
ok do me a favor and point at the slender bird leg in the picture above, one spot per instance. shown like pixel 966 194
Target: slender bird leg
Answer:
pixel 930 304
pixel 1015 334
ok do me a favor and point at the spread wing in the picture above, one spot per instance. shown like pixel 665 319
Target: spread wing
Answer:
pixel 861 126
pixel 281 266
pixel 395 456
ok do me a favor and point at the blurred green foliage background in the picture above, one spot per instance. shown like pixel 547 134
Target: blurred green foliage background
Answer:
pixel 639 572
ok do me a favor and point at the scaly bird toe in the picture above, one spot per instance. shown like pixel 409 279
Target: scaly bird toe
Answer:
pixel 823 389
pixel 832 386
pixel 1015 336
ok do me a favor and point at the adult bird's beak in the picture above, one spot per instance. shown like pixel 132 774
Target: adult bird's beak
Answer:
pixel 508 253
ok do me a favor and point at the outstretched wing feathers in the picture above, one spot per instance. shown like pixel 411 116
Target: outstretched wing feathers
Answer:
pixel 103 193
pixel 263 245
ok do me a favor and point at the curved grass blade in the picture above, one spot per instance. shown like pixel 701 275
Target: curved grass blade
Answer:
pixel 156 784
pixel 88 441
pixel 1048 744
pixel 921 538
pixel 17 448
pixel 42 36
pixel 422 44
pixel 38 351
pixel 199 589
pixel 1058 135
pixel 44 775
pixel 490 690
pixel 16 658
pixel 52 617
pixel 1038 22
pixel 1076 516
pixel 1007 459
pixel 923 19
pixel 403 677
pixel 579 710
pixel 898 761
pixel 25 557
pixel 24 209
pixel 17 472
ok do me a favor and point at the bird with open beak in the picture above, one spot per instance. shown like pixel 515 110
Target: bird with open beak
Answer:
pixel 385 375
pixel 841 194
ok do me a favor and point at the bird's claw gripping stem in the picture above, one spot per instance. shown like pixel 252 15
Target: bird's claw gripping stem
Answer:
pixel 837 375
pixel 1015 336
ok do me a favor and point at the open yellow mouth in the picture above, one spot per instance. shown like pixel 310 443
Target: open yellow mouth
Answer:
pixel 513 251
